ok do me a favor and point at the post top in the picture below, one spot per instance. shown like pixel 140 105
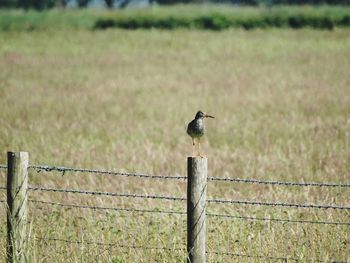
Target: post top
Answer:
pixel 21 154
pixel 197 158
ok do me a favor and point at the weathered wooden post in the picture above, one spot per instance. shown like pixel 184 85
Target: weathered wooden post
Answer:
pixel 17 186
pixel 196 203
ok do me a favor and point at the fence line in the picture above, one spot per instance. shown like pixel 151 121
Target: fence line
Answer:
pixel 256 181
pixel 197 171
pixel 107 244
pixel 63 169
pixel 165 248
pixel 246 202
pixel 285 259
pixel 172 198
pixel 184 213
pixel 109 208
pixel 280 220
pixel 76 191
pixel 168 249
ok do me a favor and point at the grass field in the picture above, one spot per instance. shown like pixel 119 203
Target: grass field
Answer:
pixel 121 100
pixel 205 16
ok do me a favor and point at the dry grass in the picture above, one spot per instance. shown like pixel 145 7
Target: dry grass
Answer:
pixel 121 100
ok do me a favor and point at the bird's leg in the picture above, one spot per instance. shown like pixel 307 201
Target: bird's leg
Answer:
pixel 193 146
pixel 199 147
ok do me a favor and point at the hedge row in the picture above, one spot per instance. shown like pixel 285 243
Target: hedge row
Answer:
pixel 222 20
pixel 214 17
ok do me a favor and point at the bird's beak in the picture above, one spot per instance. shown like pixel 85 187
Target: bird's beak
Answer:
pixel 209 116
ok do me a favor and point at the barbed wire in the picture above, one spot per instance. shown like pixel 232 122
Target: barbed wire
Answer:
pixel 107 244
pixel 172 198
pixel 3 188
pixel 62 169
pixel 3 166
pixel 268 182
pixel 246 202
pixel 184 213
pixel 109 208
pixel 279 220
pixel 76 191
pixel 69 241
pixel 285 259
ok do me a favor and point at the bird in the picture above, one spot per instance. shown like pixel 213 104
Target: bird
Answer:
pixel 196 129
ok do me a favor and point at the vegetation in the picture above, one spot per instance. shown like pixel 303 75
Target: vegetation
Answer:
pixel 182 16
pixel 48 4
pixel 119 99
pixel 222 17
pixel 19 20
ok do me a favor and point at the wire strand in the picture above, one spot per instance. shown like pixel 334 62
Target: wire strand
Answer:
pixel 107 244
pixel 278 220
pixel 76 191
pixel 280 183
pixel 285 259
pixel 258 203
pixel 108 208
pixel 228 216
pixel 62 169
pixel 245 202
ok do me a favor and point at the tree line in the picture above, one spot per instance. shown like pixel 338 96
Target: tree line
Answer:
pixel 47 4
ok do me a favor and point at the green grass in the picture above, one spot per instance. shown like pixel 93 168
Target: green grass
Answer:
pixel 213 17
pixel 56 19
pixel 118 99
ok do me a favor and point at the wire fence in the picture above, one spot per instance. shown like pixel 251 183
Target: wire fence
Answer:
pixel 270 258
pixel 173 198
pixel 64 170
pixel 86 192
pixel 157 211
pixel 96 243
pixel 181 249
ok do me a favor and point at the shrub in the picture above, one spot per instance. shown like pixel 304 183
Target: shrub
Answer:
pixel 219 19
pixel 104 23
pixel 214 22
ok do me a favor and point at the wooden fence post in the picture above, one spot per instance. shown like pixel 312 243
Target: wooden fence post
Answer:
pixel 17 186
pixel 196 203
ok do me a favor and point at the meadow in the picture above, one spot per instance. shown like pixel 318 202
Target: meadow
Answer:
pixel 120 100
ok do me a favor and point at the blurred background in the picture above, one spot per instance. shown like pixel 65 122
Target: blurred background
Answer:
pixel 117 4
